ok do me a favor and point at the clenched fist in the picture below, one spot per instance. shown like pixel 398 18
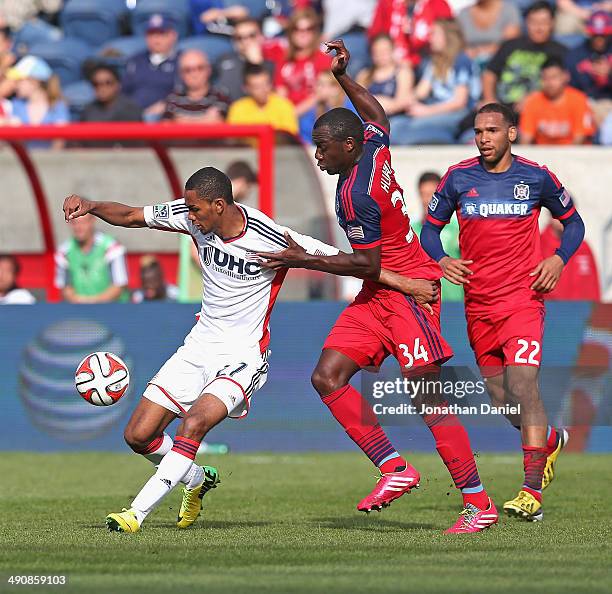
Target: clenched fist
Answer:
pixel 75 206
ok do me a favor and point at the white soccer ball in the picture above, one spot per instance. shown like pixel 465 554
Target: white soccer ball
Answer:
pixel 102 378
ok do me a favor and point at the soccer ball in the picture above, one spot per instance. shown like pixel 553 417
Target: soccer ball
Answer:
pixel 102 378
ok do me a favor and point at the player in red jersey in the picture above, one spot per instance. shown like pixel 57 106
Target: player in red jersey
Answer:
pixel 370 208
pixel 497 198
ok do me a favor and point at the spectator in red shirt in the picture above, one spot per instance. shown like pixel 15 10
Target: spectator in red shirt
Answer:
pixel 296 75
pixel 579 280
pixel 408 23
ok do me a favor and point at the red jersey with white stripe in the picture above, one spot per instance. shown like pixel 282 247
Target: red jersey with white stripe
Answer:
pixel 371 208
pixel 498 228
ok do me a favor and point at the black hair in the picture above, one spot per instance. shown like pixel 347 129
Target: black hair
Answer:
pixel 253 70
pixel 6 31
pixel 553 63
pixel 210 183
pixel 540 5
pixel 429 176
pixel 99 67
pixel 342 124
pixel 505 111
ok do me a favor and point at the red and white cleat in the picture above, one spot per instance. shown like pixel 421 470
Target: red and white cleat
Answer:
pixel 389 487
pixel 473 519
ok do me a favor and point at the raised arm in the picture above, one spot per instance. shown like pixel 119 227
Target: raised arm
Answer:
pixel 367 106
pixel 113 213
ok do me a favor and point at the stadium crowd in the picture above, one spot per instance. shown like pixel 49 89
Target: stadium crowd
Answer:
pixel 431 63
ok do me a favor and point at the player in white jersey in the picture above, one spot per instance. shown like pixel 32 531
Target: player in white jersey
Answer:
pixel 223 360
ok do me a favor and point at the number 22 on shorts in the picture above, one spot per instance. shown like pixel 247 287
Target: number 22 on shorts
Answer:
pixel 523 357
pixel 418 352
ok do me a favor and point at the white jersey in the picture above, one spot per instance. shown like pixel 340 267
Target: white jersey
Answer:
pixel 238 294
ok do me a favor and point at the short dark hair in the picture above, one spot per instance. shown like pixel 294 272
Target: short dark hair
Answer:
pixel 6 32
pixel 429 176
pixel 239 169
pixel 505 111
pixel 342 124
pixel 553 63
pixel 210 183
pixel 103 68
pixel 253 70
pixel 13 260
pixel 540 5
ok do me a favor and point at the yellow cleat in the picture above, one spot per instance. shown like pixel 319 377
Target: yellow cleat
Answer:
pixel 125 521
pixel 549 469
pixel 524 506
pixel 191 506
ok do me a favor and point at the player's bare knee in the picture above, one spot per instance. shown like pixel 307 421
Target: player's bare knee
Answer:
pixel 137 439
pixel 194 426
pixel 326 380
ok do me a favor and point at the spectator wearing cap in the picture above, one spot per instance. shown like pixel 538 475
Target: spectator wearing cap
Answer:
pixel 10 293
pixel 590 65
pixel 38 97
pixel 150 76
pixel 558 113
pixel 153 284
pixel 408 23
pixel 248 49
pixel 261 104
pixel 572 15
pixel 199 101
pixel 110 105
pixel 214 16
pixel 514 70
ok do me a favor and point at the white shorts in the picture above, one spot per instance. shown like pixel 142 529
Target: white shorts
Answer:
pixel 195 370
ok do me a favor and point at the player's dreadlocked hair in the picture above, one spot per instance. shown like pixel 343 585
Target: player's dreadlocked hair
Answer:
pixel 506 112
pixel 342 123
pixel 210 183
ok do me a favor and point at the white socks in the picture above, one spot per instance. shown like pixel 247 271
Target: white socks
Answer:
pixel 194 476
pixel 170 471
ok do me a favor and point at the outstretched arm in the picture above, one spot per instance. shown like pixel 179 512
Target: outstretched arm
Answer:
pixel 369 109
pixel 364 264
pixel 113 213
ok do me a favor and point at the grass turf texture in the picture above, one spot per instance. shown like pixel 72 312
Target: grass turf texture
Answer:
pixel 289 524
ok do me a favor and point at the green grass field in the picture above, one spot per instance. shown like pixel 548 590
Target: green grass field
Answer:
pixel 288 524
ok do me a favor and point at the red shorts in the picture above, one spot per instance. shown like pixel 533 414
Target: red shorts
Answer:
pixel 504 339
pixel 378 324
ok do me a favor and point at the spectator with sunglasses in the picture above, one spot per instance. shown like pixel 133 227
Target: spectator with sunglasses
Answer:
pixel 250 48
pixel 110 105
pixel 296 75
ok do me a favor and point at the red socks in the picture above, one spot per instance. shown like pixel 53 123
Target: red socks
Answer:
pixel 355 414
pixel 534 461
pixel 453 445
